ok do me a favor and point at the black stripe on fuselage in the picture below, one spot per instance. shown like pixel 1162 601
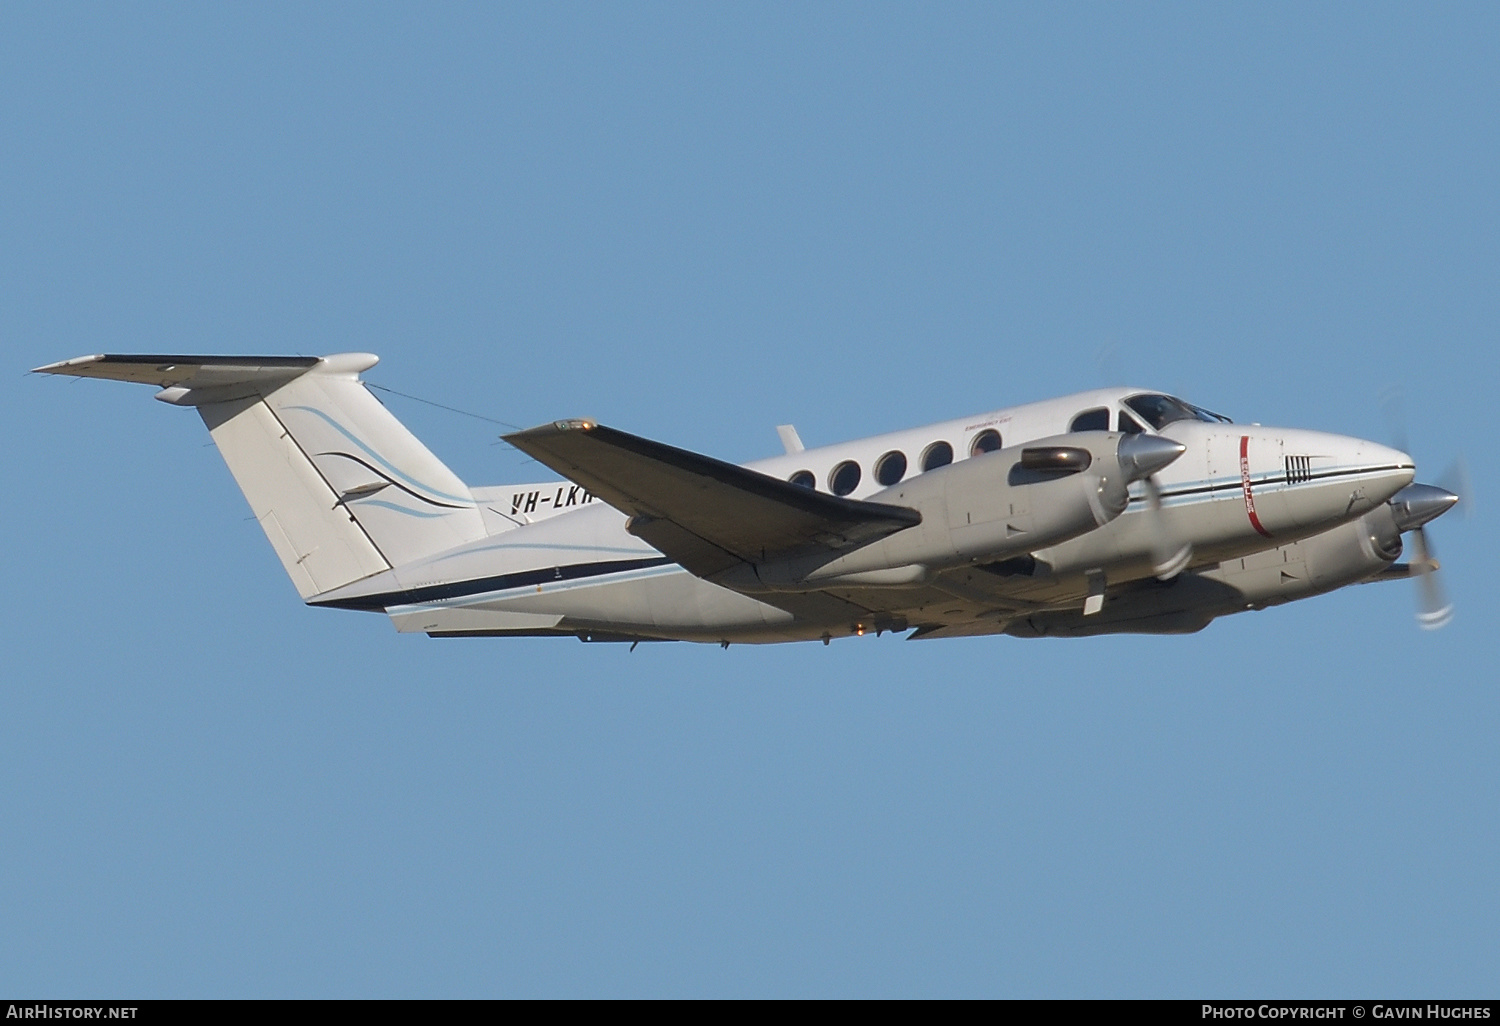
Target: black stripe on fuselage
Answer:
pixel 1234 485
pixel 461 589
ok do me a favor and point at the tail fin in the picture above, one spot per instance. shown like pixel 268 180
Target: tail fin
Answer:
pixel 340 487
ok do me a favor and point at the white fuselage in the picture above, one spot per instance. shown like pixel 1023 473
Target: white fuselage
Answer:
pixel 568 564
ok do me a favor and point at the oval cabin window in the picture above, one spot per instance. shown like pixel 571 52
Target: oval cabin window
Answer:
pixel 804 479
pixel 938 454
pixel 890 468
pixel 844 478
pixel 985 441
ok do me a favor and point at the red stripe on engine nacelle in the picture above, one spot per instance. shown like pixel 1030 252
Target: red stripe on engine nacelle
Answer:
pixel 1245 485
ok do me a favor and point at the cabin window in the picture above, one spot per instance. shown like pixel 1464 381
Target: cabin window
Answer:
pixel 804 479
pixel 891 467
pixel 844 478
pixel 938 454
pixel 985 441
pixel 1091 420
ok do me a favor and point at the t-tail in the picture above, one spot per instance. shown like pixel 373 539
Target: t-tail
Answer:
pixel 342 489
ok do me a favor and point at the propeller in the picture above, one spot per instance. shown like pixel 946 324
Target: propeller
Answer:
pixel 1413 507
pixel 1142 456
pixel 1167 560
pixel 1433 608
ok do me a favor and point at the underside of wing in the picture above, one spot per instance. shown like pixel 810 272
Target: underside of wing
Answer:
pixel 705 514
pixel 971 629
pixel 961 602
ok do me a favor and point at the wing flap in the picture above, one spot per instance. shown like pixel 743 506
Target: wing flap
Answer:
pixel 704 513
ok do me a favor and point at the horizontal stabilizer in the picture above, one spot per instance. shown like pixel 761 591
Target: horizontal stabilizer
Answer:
pixel 705 514
pixel 185 371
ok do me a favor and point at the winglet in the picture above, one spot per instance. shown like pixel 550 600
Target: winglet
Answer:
pixel 790 441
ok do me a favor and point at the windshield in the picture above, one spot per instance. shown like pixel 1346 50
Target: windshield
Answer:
pixel 1161 410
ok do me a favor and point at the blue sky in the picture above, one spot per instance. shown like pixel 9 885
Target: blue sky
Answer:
pixel 696 224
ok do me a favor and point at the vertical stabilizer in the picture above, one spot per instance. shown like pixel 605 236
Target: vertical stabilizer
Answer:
pixel 406 499
pixel 342 489
pixel 319 545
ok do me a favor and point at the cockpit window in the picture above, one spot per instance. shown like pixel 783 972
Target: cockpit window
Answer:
pixel 1209 415
pixel 1161 410
pixel 1129 425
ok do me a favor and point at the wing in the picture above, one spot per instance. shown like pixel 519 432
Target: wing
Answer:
pixel 705 514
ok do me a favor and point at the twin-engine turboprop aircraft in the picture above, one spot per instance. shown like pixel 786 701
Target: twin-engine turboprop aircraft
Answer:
pixel 1119 510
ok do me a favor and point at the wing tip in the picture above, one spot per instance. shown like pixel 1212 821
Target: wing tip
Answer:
pixel 164 369
pixel 67 366
pixel 554 427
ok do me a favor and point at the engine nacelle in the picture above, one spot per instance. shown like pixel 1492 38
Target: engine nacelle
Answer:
pixel 988 507
pixel 1347 554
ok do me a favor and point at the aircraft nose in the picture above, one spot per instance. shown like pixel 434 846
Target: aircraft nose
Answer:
pixel 1392 465
pixel 1384 454
pixel 1391 468
pixel 1417 504
pixel 1326 478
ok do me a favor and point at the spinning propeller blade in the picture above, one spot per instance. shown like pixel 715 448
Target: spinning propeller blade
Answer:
pixel 1414 506
pixel 1167 559
pixel 1433 608
pixel 1142 456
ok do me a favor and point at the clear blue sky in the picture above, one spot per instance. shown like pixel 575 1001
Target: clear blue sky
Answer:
pixel 696 222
